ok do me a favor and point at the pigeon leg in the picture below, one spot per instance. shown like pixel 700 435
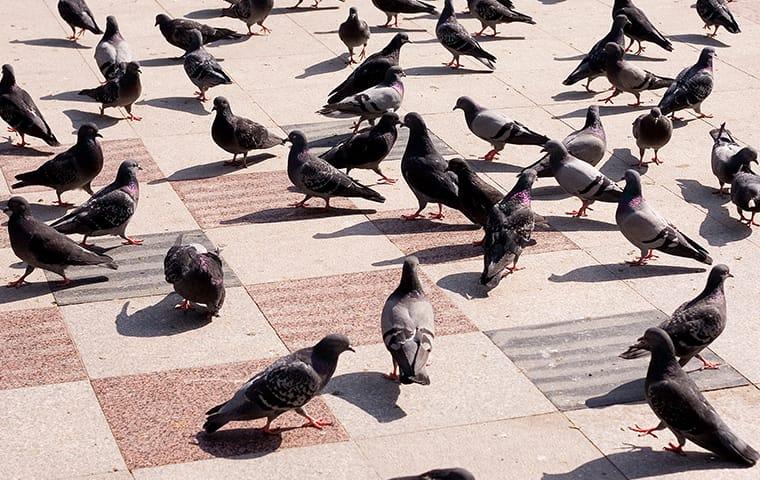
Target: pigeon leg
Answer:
pixel 638 101
pixel 84 243
pixel 351 57
pixel 131 241
pixel 643 432
pixel 707 365
pixel 588 85
pixel 312 422
pixel 201 95
pixel 395 22
pixel 302 203
pixel 268 428
pixel 21 281
pixel 357 124
pixel 491 155
pixel 514 268
pixel 363 53
pixel 61 203
pixel 494 32
pixel 698 109
pixel 454 63
pixel 628 48
pixel 132 116
pixel 22 143
pixel 641 157
pixel 581 212
pixel 641 48
pixel 264 29
pixel 477 34
pixel 394 374
pixel 678 449
pixel 245 159
pixel 327 205
pixel 612 95
pixel 642 260
pixel 297 4
pixel 233 161
pixel 184 306
pixel 383 178
pixel 413 216
pixel 714 32
pixel 387 22
pixel 439 215
pixel 656 159
pixel 720 191
pixel 66 280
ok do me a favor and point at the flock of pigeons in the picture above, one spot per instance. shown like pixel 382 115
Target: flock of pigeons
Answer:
pixel 373 92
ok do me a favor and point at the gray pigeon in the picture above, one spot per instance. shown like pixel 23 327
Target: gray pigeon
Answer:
pixel 196 275
pixel 728 157
pixel 457 40
pixel 681 407
pixel 251 12
pixel 627 77
pixel 649 231
pixel 496 128
pixel 640 29
pixel 408 327
pixel 121 91
pixel 287 384
pixel 109 211
pixel 365 150
pixel 177 31
pixel 492 12
pixel 691 87
pixel 71 170
pixel 314 177
pixel 202 68
pixel 509 228
pixel 715 13
pixel 424 170
pixel 580 179
pixel 442 473
pixel 695 324
pixel 40 246
pixel 594 64
pixel 77 14
pixel 239 135
pixel 652 130
pixel 20 112
pixel 745 194
pixel 476 197
pixel 354 32
pixel 391 9
pixel 588 144
pixel 112 53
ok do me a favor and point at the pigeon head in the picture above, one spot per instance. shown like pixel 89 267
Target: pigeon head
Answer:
pixel 458 166
pixel 112 28
pixel 717 276
pixel 414 122
pixel 467 105
pixel 658 342
pixel 17 206
pixel 632 184
pixel 557 152
pixel 221 105
pixel 592 116
pixel 352 12
pixel 133 68
pixel 410 279
pixel 525 180
pixel 162 19
pixel 620 21
pixel 9 77
pixel 389 119
pixel 613 50
pixel 745 156
pixel 655 113
pixel 448 11
pixel 706 57
pixel 195 40
pixel 394 74
pixel 332 346
pixel 396 43
pixel 297 139
pixel 127 172
pixel 88 131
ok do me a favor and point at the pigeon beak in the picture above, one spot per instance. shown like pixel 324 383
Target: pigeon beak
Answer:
pixel 139 167
pixel 213 109
pixel 351 349
pixel 286 140
pixel 730 275
pixel 99 135
pixel 401 124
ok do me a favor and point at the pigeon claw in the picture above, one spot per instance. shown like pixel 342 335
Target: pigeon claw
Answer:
pixel 319 424
pixel 678 449
pixel 393 376
pixel 17 283
pixel 643 432
pixel 132 241
pixel 490 156
pixel 184 306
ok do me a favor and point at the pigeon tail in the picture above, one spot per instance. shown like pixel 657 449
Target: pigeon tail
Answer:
pixel 726 444
pixel 659 82
pixel 581 72
pixel 635 351
pixel 214 422
pixel 690 249
pixel 411 359
pixel 90 92
pixel 369 194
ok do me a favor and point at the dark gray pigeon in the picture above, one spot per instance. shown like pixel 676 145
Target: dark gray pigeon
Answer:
pixel 40 246
pixel 648 230
pixel 354 33
pixel 594 64
pixel 314 177
pixel 408 327
pixel 252 12
pixel 391 9
pixel 652 130
pixel 287 384
pixel 196 275
pixel 492 12
pixel 628 77
pixel 691 87
pixel 728 157
pixel 476 197
pixel 20 112
pixel 457 40
pixel 681 407
pixel 177 31
pixel 238 134
pixel 109 211
pixel 122 91
pixel 715 13
pixel 640 29
pixel 441 473
pixel 695 324
pixel 496 128
pixel 71 170
pixel 112 53
pixel 424 170
pixel 77 14
pixel 202 68
pixel 745 194
pixel 365 150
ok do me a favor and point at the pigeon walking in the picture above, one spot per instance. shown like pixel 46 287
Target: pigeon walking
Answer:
pixel 745 194
pixel 121 91
pixel 391 9
pixel 77 14
pixel 196 275
pixel 252 12
pixel 648 230
pixel 457 40
pixel 715 13
pixel 476 197
pixel 354 33
pixel 112 53
pixel 652 130
pixel 239 135
pixel 492 12
pixel 640 29
pixel 627 77
pixel 73 169
pixel 178 31
pixel 408 327
pixel 441 473
pixel 202 68
pixel 728 157
pixel 594 64
pixel 20 112
pixel 40 246
pixel 676 400
pixel 691 87
pixel 287 384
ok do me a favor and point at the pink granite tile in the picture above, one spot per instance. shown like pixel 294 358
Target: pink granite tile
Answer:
pixel 303 311
pixel 156 418
pixel 35 349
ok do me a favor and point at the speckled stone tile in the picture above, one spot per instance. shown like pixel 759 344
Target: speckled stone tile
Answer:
pixel 155 424
pixel 303 311
pixel 36 350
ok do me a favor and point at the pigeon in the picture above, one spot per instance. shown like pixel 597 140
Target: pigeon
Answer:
pixel 580 179
pixel 287 384
pixel 728 157
pixel 442 473
pixel 457 40
pixel 640 29
pixel 695 324
pixel 122 91
pixel 652 130
pixel 647 230
pixel 354 32
pixel 315 177
pixel 371 71
pixel 588 144
pixel 19 111
pixel 691 87
pixel 408 327
pixel 476 197
pixel 202 68
pixel 238 134
pixel 77 14
pixel 627 77
pixel 392 8
pixel 745 194
pixel 196 275
pixel 109 211
pixel 71 170
pixel 366 149
pixel 492 12
pixel 40 246
pixel 509 228
pixel 112 53
pixel 178 31
pixel 681 407
pixel 496 128
pixel 373 102
pixel 251 12
pixel 424 170
pixel 594 64
pixel 715 13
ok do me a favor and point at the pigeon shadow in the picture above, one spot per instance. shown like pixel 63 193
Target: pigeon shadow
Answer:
pixel 55 286
pixel 52 42
pixel 626 156
pixel 371 392
pixel 441 70
pixel 583 224
pixel 232 41
pixel 211 170
pixel 597 273
pixel 160 320
pixel 574 96
pixel 629 392
pixel 330 65
pixel 382 29
pixel 551 2
pixel 72 96
pixel 9 149
pixel 178 104
pixel 465 284
pixel 484 166
pixel 359 229
pixel 30 290
pixel 290 214
pixel 489 38
pixel 240 443
pixel 161 62
pixel 643 58
pixel 300 9
pixel 205 14
pixel 696 39
pixel 78 117
pixel 697 194
pixel 580 56
pixel 46 212
pixel 554 192
pixel 399 226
